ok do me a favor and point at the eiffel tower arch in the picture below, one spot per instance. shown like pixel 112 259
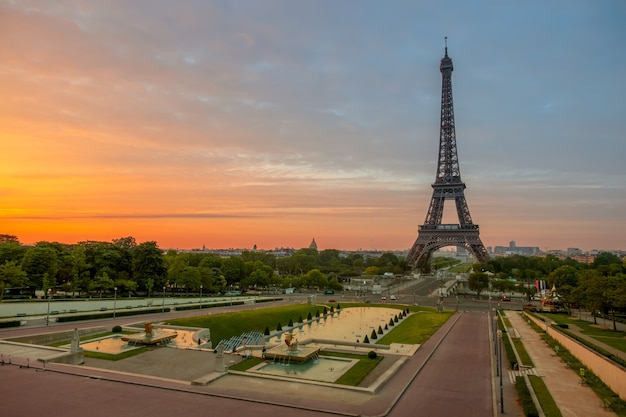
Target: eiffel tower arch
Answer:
pixel 433 235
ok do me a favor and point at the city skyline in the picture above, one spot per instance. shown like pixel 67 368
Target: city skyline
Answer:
pixel 226 125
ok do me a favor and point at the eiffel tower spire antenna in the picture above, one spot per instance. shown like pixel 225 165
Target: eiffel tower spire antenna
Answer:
pixel 433 235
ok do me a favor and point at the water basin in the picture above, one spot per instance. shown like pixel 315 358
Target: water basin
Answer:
pixel 323 369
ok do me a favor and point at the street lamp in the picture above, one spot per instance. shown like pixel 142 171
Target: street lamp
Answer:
pixel 496 334
pixel 48 314
pixel 200 291
pixel 163 306
pixel 500 370
pixel 114 301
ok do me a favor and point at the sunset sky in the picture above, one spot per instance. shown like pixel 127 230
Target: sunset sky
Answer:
pixel 273 122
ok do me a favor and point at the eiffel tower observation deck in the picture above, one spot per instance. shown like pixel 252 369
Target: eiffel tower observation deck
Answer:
pixel 433 235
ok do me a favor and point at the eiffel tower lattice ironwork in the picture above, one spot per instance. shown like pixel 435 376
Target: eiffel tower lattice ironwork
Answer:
pixel 433 235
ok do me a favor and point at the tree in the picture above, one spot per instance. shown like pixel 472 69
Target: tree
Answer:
pixel 148 263
pixel 605 259
pixel 39 260
pixel 190 278
pixel 371 271
pixel 563 275
pixel 478 281
pixel 12 251
pixel 233 270
pixel 259 278
pixel 315 278
pixel 80 273
pixel 11 275
pixel 592 291
pixel 9 239
pixel 101 283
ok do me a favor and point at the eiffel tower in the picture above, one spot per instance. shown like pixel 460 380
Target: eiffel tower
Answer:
pixel 433 235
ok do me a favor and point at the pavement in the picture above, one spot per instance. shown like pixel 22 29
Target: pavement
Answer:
pixel 573 398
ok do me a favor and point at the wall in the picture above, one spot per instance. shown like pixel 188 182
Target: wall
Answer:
pixel 610 373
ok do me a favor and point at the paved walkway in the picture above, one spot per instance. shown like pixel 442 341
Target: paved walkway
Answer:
pixel 572 398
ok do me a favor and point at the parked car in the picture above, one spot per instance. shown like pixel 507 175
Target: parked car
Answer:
pixel 392 298
pixel 329 292
pixel 383 298
pixel 506 298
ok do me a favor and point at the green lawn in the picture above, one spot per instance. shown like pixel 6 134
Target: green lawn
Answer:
pixel 359 371
pixel 616 339
pixel 416 328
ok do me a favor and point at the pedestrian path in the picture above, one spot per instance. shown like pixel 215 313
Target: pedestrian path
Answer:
pixel 521 372
pixel 572 398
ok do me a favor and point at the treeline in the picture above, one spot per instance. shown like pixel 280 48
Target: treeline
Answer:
pixel 132 268
pixel 599 287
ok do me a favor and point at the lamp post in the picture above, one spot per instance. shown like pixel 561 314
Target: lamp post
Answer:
pixel 500 370
pixel 48 313
pixel 496 334
pixel 200 292
pixel 163 305
pixel 114 301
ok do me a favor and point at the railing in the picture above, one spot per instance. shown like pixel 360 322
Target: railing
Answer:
pixel 443 227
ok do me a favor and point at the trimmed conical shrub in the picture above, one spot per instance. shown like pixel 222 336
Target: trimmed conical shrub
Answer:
pixel 267 331
pixel 380 330
pixel 338 306
pixel 395 319
pixel 308 317
pixel 374 336
pixel 366 340
pixel 290 324
pixel 391 322
pixel 300 319
pixel 279 327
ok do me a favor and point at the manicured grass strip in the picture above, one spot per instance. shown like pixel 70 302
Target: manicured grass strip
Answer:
pixel 359 371
pixel 246 364
pixel 416 328
pixel 548 405
pixel 521 351
pixel 526 401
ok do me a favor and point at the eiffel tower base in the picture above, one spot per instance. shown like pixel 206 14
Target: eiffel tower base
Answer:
pixel 430 240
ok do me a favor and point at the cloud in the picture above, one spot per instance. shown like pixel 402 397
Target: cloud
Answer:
pixel 276 107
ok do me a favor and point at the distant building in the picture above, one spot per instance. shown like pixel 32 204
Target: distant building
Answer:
pixel 513 249
pixel 313 245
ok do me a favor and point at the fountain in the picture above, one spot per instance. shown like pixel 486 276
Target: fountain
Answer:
pixel 291 352
pixel 149 336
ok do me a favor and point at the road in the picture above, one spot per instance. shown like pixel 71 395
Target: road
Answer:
pixel 456 380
